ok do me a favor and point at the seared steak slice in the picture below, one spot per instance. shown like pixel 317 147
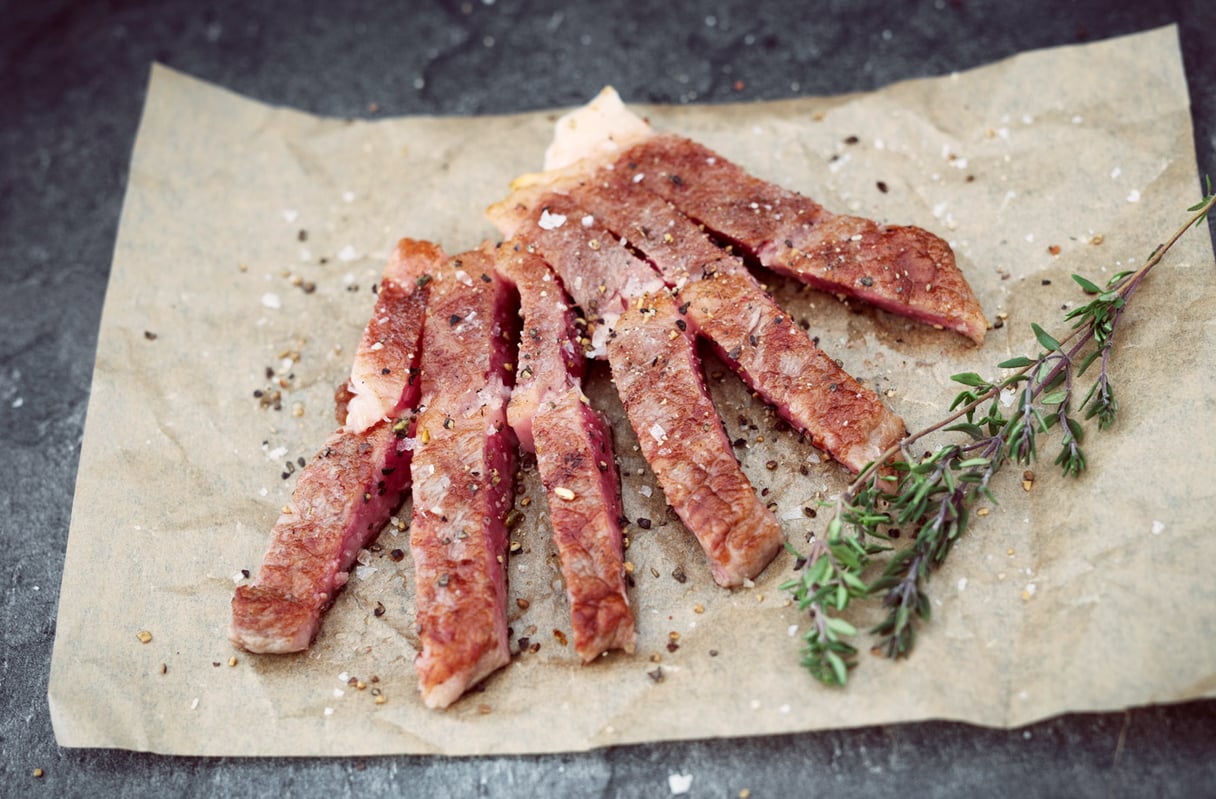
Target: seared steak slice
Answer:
pixel 724 302
pixel 342 499
pixel 383 376
pixel 573 447
pixel 550 358
pixel 463 474
pixel 904 270
pixel 658 377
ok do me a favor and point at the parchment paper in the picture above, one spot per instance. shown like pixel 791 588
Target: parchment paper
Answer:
pixel 1093 594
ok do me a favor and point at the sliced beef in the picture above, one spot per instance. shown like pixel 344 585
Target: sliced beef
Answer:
pixel 658 376
pixel 342 499
pixel 383 374
pixel 463 474
pixel 905 270
pixel 573 445
pixel 724 302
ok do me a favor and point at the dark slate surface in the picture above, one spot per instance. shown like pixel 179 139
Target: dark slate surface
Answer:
pixel 71 91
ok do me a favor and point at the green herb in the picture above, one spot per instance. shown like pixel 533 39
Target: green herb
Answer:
pixel 930 498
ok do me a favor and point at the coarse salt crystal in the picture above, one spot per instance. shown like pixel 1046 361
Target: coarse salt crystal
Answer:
pixel 271 300
pixel 550 221
pixel 290 215
pixel 379 345
pixel 1133 196
pixel 657 432
pixel 1158 527
pixel 587 221
pixel 329 711
pixel 348 253
pixel 339 693
pixel 194 704
pixel 679 783
pixel 962 584
pixel 348 196
pixel 646 491
pixel 639 177
pixel 792 630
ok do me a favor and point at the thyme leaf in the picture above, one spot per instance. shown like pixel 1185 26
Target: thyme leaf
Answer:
pixel 932 497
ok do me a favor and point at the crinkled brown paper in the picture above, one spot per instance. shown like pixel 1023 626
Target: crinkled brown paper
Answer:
pixel 1093 594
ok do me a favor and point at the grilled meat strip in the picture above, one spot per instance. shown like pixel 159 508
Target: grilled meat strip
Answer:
pixel 658 376
pixel 726 304
pixel 463 470
pixel 342 499
pixel 901 269
pixel 573 445
pixel 383 375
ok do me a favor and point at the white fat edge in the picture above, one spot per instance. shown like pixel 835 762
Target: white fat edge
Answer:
pixel 601 128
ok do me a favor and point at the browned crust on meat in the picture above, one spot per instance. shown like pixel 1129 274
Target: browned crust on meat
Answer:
pixel 658 378
pixel 550 357
pixel 342 499
pixel 574 455
pixel 459 546
pixel 681 436
pixel 724 302
pixel 463 480
pixel 575 458
pixel 382 380
pixel 774 355
pixel 905 270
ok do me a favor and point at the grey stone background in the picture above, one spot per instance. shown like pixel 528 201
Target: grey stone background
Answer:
pixel 71 90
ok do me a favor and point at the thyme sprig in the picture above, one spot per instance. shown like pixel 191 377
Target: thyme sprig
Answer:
pixel 930 498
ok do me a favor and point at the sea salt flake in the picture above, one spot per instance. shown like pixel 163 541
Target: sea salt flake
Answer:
pixel 792 630
pixel 1133 196
pixel 550 221
pixel 587 221
pixel 679 783
pixel 290 215
pixel 348 196
pixel 962 584
pixel 1158 527
pixel 348 253
pixel 271 300
pixel 657 431
pixel 646 491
